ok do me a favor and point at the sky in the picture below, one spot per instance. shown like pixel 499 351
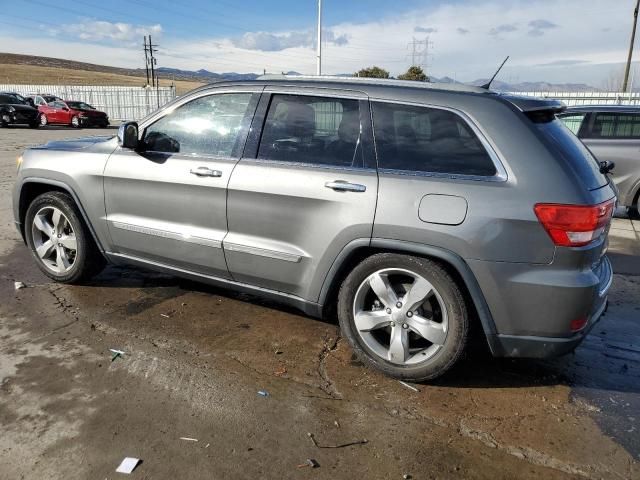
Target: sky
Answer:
pixel 560 41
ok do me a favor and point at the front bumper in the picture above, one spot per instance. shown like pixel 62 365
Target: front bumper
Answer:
pixel 94 121
pixel 19 118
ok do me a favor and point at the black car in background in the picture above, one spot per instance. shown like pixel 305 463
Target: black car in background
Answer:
pixel 14 109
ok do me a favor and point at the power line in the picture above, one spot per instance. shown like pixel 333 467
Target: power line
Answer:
pixel 633 38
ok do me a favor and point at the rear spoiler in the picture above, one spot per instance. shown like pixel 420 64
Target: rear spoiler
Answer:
pixel 534 104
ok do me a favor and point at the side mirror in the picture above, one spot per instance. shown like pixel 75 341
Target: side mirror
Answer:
pixel 128 135
pixel 66 109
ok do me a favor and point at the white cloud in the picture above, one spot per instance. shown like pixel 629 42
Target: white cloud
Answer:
pixel 100 31
pixel 597 38
pixel 274 42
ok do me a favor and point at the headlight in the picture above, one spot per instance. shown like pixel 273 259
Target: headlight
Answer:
pixel 11 109
pixel 19 161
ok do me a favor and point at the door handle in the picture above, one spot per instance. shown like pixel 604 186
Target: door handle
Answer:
pixel 205 172
pixel 342 186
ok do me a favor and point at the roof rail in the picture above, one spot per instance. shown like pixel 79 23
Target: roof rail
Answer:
pixel 373 81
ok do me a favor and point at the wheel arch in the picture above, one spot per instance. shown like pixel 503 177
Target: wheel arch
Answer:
pixel 33 187
pixel 455 265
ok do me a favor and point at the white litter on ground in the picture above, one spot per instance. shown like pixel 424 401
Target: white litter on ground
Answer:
pixel 188 439
pixel 128 465
pixel 19 285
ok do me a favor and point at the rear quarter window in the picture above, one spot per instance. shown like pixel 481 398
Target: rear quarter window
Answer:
pixel 573 151
pixel 431 140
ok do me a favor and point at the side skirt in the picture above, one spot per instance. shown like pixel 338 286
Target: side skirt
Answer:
pixel 310 308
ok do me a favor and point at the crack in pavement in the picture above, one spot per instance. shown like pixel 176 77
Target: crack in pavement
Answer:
pixel 326 385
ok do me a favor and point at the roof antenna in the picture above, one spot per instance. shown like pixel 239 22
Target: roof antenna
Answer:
pixel 487 85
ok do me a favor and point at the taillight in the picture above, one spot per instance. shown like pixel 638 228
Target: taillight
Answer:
pixel 574 225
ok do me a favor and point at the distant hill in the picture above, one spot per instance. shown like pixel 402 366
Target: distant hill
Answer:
pixel 71 70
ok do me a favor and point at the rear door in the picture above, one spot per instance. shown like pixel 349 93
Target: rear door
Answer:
pixel 167 203
pixel 306 187
pixel 615 136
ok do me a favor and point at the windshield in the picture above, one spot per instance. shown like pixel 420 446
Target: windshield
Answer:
pixel 80 105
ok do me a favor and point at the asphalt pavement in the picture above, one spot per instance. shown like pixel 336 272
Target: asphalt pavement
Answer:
pixel 196 357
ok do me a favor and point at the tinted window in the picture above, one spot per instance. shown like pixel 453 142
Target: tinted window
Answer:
pixel 57 104
pixel 80 105
pixel 573 121
pixel 207 126
pixel 318 130
pixel 569 147
pixel 616 125
pixel 422 139
pixel 50 98
pixel 8 99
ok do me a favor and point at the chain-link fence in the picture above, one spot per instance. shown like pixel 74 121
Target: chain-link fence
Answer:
pixel 120 103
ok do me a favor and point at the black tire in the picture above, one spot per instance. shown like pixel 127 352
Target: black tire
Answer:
pixel 88 259
pixel 634 212
pixel 35 124
pixel 77 122
pixel 455 342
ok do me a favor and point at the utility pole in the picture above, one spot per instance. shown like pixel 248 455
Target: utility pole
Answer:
pixel 152 61
pixel 319 56
pixel 633 38
pixel 146 59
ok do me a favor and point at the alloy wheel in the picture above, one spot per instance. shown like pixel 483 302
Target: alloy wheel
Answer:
pixel 54 240
pixel 400 316
pixel 43 120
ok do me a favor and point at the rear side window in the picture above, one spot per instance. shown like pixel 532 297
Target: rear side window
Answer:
pixel 573 121
pixel 422 139
pixel 313 130
pixel 615 125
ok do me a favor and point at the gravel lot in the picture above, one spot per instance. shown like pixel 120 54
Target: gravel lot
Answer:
pixel 197 356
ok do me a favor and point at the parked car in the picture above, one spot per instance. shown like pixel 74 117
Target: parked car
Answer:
pixel 413 210
pixel 42 98
pixel 612 133
pixel 76 114
pixel 14 110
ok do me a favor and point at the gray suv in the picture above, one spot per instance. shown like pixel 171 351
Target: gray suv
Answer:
pixel 612 133
pixel 415 211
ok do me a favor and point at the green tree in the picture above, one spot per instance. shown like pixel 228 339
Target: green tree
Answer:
pixel 373 72
pixel 414 73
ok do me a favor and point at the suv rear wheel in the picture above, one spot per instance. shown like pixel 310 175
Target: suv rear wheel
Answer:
pixel 59 240
pixel 403 315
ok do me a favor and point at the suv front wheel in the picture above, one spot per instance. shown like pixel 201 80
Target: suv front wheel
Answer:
pixel 59 240
pixel 403 315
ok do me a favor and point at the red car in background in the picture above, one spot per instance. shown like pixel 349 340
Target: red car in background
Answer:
pixel 76 114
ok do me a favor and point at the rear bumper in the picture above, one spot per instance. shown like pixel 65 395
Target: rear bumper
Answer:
pixel 542 347
pixel 533 305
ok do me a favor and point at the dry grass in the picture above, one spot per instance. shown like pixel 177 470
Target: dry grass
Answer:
pixel 42 75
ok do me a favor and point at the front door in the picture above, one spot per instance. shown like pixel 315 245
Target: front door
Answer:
pixel 304 189
pixel 167 202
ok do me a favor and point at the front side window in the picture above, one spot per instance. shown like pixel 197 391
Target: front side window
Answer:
pixel 616 125
pixel 210 125
pixel 423 139
pixel 573 121
pixel 314 130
